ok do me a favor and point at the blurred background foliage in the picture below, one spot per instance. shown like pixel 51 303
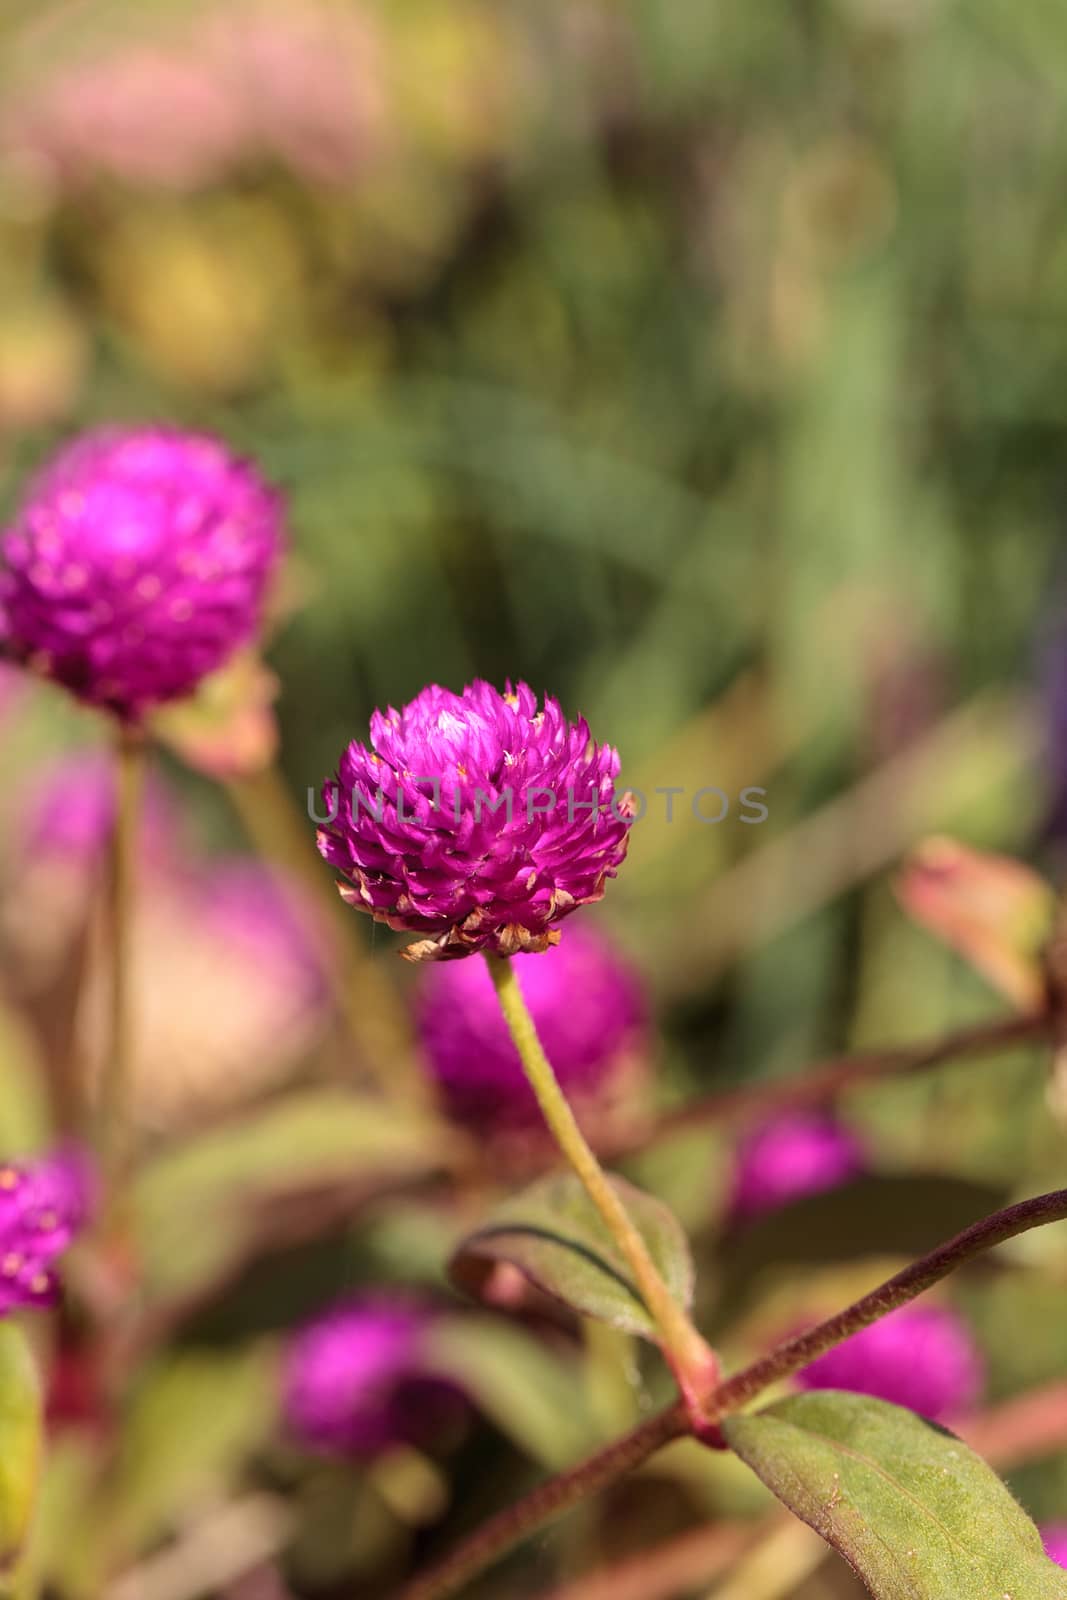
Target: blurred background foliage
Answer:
pixel 704 365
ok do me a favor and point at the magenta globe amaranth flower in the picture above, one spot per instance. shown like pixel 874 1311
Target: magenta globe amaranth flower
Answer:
pixel 590 1012
pixel 356 1380
pixel 793 1155
pixel 42 1206
pixel 1054 1536
pixel 138 563
pixel 476 819
pixel 922 1357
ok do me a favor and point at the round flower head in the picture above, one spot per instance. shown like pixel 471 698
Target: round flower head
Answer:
pixel 355 1380
pixel 42 1207
pixel 137 564
pixel 590 1013
pixel 476 819
pixel 802 1153
pixel 922 1357
pixel 1054 1535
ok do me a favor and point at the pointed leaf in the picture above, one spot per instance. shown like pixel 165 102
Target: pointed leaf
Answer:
pixel 913 1511
pixel 553 1234
pixel 20 1440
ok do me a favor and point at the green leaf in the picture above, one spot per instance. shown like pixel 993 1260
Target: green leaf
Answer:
pixel 913 1511
pixel 196 1202
pixel 553 1234
pixel 195 1418
pixel 532 1394
pixel 879 1214
pixel 20 1440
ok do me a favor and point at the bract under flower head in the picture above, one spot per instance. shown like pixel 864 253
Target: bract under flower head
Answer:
pixel 476 819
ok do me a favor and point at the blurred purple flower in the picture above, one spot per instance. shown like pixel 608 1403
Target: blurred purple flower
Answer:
pixel 248 943
pixel 475 818
pixel 246 939
pixel 138 563
pixel 42 1207
pixel 269 920
pixel 69 811
pixel 1054 1535
pixel 797 1154
pixel 356 1380
pixel 589 1009
pixel 922 1357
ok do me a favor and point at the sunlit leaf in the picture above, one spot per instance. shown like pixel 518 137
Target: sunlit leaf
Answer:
pixel 553 1234
pixel 913 1511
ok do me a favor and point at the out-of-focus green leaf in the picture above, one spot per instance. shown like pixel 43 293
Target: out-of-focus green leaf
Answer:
pixel 879 1214
pixel 195 1419
pixel 553 1233
pixel 20 1440
pixel 914 1512
pixel 533 1395
pixel 23 1090
pixel 194 1202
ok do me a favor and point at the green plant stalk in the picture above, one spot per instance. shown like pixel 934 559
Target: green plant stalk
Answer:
pixel 690 1357
pixel 509 1528
pixel 113 1104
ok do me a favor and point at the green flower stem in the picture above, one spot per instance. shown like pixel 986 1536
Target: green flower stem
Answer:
pixel 691 1358
pixel 113 1111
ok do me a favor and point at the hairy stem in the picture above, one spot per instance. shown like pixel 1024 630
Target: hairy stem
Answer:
pixel 896 1291
pixel 548 1501
pixel 502 1532
pixel 691 1358
pixel 115 1084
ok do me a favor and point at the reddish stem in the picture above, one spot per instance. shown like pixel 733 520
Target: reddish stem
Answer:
pixel 495 1537
pixel 825 1080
